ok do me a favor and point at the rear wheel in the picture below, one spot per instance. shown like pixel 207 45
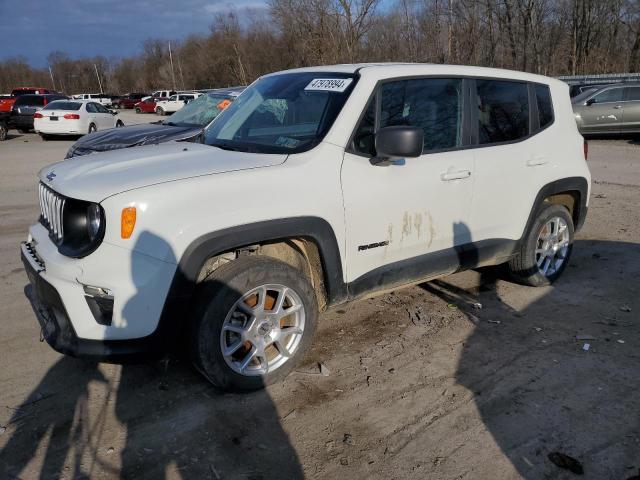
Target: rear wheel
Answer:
pixel 138 110
pixel 44 137
pixel 546 249
pixel 3 132
pixel 119 124
pixel 160 111
pixel 255 318
pixel 92 128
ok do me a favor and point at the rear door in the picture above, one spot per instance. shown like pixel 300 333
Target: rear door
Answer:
pixel 105 117
pixel 631 113
pixel 604 111
pixel 505 157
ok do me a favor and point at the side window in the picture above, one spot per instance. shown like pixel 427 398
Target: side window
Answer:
pixel 101 108
pixel 503 110
pixel 173 98
pixel 633 94
pixel 611 95
pixel 545 107
pixel 91 108
pixel 363 140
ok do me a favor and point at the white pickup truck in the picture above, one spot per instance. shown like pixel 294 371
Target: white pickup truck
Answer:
pixel 175 102
pixel 101 98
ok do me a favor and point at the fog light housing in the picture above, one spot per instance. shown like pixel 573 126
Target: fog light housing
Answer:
pixel 100 301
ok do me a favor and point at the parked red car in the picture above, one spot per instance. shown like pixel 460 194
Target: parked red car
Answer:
pixel 128 100
pixel 146 106
pixel 6 102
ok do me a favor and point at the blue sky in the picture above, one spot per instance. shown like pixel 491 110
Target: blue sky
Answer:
pixel 34 28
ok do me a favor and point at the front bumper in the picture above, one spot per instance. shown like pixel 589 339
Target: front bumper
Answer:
pixel 138 282
pixel 58 330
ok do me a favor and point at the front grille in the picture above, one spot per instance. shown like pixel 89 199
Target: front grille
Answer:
pixel 51 212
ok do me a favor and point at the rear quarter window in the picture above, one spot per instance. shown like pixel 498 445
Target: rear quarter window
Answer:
pixel 545 106
pixel 503 111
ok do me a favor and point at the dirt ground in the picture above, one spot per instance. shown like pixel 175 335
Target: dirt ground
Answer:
pixel 421 384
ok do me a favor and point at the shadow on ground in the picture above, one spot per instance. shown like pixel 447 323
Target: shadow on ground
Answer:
pixel 174 426
pixel 536 387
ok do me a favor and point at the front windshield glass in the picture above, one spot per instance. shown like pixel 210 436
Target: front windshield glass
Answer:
pixel 287 113
pixel 199 112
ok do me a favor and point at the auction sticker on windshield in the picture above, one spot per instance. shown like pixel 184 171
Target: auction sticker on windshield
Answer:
pixel 329 84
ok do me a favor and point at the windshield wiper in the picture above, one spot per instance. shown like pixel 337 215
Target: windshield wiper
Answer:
pixel 228 146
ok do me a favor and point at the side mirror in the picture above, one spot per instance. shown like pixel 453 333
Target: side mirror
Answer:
pixel 590 102
pixel 397 142
pixel 113 112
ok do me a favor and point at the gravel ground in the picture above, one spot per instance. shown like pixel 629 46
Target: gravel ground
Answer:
pixel 421 383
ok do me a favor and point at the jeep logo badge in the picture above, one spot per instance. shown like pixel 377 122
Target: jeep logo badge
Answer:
pixel 50 176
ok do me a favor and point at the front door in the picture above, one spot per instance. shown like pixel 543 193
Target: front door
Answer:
pixel 403 220
pixel 605 113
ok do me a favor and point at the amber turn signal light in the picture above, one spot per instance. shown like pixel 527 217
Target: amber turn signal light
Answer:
pixel 127 221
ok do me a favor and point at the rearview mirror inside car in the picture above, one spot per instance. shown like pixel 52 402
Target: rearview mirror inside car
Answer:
pixel 397 142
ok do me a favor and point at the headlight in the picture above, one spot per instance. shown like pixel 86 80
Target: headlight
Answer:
pixel 84 226
pixel 94 221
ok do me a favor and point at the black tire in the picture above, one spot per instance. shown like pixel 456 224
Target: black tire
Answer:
pixel 215 299
pixel 119 124
pixel 24 130
pixel 92 128
pixel 160 112
pixel 523 267
pixel 44 137
pixel 3 132
pixel 138 110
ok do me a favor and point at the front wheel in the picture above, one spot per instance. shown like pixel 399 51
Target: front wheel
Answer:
pixel 119 124
pixel 255 318
pixel 546 248
pixel 160 111
pixel 138 110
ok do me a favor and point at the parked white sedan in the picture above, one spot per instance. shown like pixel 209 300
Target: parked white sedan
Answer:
pixel 73 117
pixel 175 103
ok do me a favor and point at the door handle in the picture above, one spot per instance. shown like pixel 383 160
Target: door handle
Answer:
pixel 618 107
pixel 538 160
pixel 455 175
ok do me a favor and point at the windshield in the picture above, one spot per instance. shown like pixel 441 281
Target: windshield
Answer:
pixel 199 112
pixel 287 113
pixel 62 105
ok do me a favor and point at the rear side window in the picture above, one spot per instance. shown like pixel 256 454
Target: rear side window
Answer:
pixel 503 111
pixel 545 107
pixel 633 94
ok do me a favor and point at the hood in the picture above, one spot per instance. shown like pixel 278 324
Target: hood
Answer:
pixel 101 175
pixel 131 136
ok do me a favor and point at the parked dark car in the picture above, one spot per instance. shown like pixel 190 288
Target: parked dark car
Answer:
pixel 4 125
pixel 129 100
pixel 186 124
pixel 26 105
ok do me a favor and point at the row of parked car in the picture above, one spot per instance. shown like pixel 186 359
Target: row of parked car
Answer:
pixel 51 113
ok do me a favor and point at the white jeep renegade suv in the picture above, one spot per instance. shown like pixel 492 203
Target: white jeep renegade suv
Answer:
pixel 317 186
